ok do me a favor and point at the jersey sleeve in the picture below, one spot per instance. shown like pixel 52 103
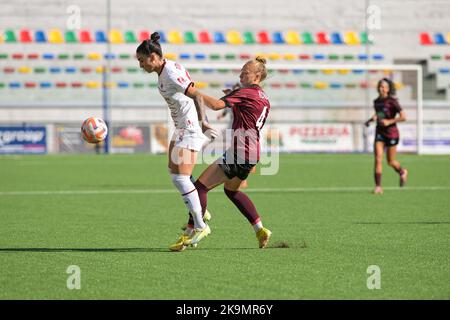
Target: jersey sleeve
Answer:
pixel 233 98
pixel 180 79
pixel 396 105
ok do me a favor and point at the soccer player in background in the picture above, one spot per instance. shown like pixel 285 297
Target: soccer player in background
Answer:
pixel 176 87
pixel 250 106
pixel 387 135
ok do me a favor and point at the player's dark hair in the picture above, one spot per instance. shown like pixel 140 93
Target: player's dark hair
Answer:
pixel 391 85
pixel 150 46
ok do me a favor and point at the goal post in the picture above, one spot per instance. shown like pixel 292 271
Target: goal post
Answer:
pixel 305 93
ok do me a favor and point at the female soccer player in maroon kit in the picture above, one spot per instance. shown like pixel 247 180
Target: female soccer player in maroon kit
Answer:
pixel 250 107
pixel 387 136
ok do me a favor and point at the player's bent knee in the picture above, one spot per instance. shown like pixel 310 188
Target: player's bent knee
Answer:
pixel 183 183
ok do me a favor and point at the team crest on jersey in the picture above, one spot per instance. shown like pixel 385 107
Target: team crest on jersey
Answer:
pixel 262 95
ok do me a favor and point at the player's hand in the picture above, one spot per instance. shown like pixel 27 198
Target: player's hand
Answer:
pixel 367 123
pixel 385 122
pixel 209 131
pixel 226 91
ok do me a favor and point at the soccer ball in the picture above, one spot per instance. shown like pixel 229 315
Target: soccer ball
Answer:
pixel 94 130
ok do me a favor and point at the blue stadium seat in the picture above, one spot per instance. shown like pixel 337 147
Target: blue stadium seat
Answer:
pixel 444 70
pixel 357 71
pixel 55 70
pixel 162 37
pixel 277 38
pixel 335 85
pixel 200 56
pixel 185 56
pixel 123 84
pixel 109 56
pixel 15 85
pixel 40 37
pixel 219 37
pixel 319 56
pixel 45 85
pixel 71 70
pixel 100 37
pixel 362 56
pixel 48 56
pixel 378 57
pixel 439 39
pixel 336 38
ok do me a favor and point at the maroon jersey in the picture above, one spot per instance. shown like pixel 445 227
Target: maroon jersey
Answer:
pixel 387 108
pixel 250 107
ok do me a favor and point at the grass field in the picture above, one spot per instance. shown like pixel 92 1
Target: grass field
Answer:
pixel 114 217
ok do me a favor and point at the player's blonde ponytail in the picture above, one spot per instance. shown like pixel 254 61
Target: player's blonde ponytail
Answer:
pixel 260 63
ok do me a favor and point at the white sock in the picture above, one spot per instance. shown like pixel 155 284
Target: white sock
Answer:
pixel 258 226
pixel 190 197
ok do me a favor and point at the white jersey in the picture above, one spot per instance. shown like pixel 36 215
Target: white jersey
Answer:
pixel 173 81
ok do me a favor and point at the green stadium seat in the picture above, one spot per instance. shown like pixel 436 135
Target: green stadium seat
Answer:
pixel 214 56
pixel 130 37
pixel 364 38
pixel 248 37
pixel 39 70
pixel 132 70
pixel 348 57
pixel 2 85
pixel 78 56
pixel 3 56
pixel 307 38
pixel 138 85
pixel 63 56
pixel 333 57
pixel 153 84
pixel 10 36
pixel 230 56
pixel 124 56
pixel 70 37
pixel 436 57
pixel 189 37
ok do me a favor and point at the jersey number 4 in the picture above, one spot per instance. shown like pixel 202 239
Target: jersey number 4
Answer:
pixel 261 119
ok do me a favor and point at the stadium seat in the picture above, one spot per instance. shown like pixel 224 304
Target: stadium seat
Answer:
pixel 348 57
pixel 189 37
pixel 436 57
pixel 115 36
pixel 45 85
pixel 32 56
pixel 307 38
pixel 289 56
pixel 76 84
pixel 116 70
pixel 277 38
pixel 233 37
pixel 54 70
pixel 336 38
pixel 86 70
pixel 230 56
pixel 322 38
pixel 3 56
pixel 365 38
pixel 138 85
pixel 175 37
pixel 214 56
pixel 362 56
pixel 170 56
pixel 24 69
pixel 263 37
pixel 447 57
pixel 8 70
pixel 319 56
pixel 343 71
pixel 293 38
pixel 320 85
pixel 200 56
pixel 304 57
pixel 439 38
pixel 448 38
pixel 185 56
pixel 99 69
pixel 204 37
pixel 444 70
pixel 70 37
pixel 333 56
pixel 17 56
pixel 94 56
pixel 327 71
pixel 85 36
pixel 2 85
pixel 378 56
pixel 132 70
pixel 335 85
pixel 78 56
pixel 25 36
pixel 48 56
pixel 124 56
pixel 290 85
pixel 162 36
pixel 130 37
pixel 245 56
pixel 248 37
pixel 15 85
pixel 351 38
pixel 123 84
pixel 109 56
pixel 274 56
pixel 219 37
pixel 100 37
pixel 92 84
pixel 144 35
pixel 55 36
pixel 425 39
pixel 40 37
pixel 39 70
pixel 60 85
pixel 70 69
pixel 10 36
pixel 63 56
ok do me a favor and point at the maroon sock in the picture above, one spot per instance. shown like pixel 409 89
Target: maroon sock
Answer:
pixel 202 194
pixel 244 204
pixel 377 179
pixel 399 170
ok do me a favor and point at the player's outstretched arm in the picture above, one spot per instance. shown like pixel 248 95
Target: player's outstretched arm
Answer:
pixel 210 102
pixel 372 118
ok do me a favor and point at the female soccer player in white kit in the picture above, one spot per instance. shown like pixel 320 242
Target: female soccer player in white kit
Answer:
pixel 175 86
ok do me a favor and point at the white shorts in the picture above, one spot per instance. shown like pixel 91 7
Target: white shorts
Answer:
pixel 187 139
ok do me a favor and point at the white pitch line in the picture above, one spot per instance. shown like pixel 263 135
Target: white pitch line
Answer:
pixel 255 190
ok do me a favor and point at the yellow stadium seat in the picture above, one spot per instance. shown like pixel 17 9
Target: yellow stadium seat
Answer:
pixel 448 38
pixel 115 36
pixel 293 37
pixel 328 71
pixel 234 37
pixel 320 85
pixel 344 71
pixel 398 85
pixel 201 85
pixel 170 56
pixel 99 69
pixel 274 56
pixel 92 84
pixel 175 37
pixel 24 69
pixel 1 38
pixel 351 38
pixel 94 56
pixel 55 36
pixel 290 56
pixel 110 84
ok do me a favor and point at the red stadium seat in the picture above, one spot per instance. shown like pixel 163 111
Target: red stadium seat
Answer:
pixel 86 70
pixel 144 35
pixel 263 37
pixel 245 56
pixel 76 84
pixel 30 85
pixel 322 38
pixel 17 56
pixel 85 36
pixel 32 56
pixel 304 57
pixel 8 70
pixel 116 69
pixel 61 85
pixel 204 37
pixel 447 57
pixel 25 36
pixel 425 39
